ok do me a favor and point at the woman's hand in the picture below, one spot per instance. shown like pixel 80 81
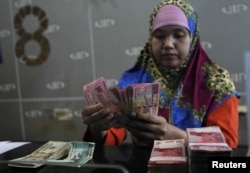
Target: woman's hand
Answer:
pixel 97 117
pixel 146 128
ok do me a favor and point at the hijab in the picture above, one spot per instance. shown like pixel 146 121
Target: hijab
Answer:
pixel 199 84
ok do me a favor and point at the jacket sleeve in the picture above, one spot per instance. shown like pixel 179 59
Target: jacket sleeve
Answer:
pixel 226 117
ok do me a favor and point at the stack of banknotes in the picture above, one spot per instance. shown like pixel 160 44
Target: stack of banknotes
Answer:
pixel 205 142
pixel 74 153
pixel 168 156
pixel 142 97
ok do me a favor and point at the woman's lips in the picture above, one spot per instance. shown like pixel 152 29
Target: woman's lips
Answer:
pixel 169 56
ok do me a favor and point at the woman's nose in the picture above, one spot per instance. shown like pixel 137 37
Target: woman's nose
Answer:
pixel 169 42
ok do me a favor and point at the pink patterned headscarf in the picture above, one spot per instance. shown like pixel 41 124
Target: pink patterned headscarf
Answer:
pixel 170 15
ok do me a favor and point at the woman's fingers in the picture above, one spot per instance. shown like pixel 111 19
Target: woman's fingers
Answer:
pixel 88 110
pixel 95 113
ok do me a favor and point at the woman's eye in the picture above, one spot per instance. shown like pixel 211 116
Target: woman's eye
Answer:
pixel 179 35
pixel 159 36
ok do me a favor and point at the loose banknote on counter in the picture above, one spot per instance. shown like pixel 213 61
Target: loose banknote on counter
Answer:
pixel 73 153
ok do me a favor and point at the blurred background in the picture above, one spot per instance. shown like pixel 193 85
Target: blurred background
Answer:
pixel 50 48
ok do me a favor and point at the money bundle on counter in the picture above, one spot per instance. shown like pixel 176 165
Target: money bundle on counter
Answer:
pixel 168 156
pixel 205 142
pixel 74 153
pixel 142 97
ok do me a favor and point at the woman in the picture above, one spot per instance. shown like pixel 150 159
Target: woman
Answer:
pixel 195 91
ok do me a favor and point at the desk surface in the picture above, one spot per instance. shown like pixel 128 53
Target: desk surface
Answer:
pixel 125 158
pixel 111 159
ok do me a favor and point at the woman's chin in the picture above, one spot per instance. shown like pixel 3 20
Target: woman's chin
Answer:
pixel 170 66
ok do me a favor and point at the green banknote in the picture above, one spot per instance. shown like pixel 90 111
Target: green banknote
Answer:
pixel 73 153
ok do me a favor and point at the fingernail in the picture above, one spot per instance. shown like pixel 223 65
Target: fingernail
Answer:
pixel 133 114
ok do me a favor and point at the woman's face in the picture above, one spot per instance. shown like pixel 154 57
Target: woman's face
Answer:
pixel 170 45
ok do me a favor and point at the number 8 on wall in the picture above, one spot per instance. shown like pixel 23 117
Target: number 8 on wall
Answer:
pixel 37 36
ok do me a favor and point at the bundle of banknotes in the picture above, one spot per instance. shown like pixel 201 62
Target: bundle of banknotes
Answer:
pixel 205 142
pixel 74 153
pixel 141 97
pixel 168 156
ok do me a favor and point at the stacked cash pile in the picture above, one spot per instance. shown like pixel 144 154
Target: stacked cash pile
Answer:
pixel 142 97
pixel 168 156
pixel 203 143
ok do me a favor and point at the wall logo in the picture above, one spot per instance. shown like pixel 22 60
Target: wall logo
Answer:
pixel 234 9
pixel 78 113
pixel 22 3
pixel 239 77
pixel 134 51
pixel 79 55
pixel 112 82
pixel 55 85
pixel 33 113
pixel 105 23
pixel 4 33
pixel 206 45
pixel 7 87
pixel 52 28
